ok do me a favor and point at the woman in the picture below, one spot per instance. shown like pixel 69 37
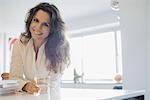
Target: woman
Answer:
pixel 42 49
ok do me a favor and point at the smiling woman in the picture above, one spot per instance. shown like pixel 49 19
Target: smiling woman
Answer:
pixel 41 52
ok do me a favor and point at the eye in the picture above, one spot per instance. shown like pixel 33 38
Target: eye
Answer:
pixel 46 24
pixel 35 20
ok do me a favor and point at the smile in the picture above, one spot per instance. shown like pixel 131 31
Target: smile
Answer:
pixel 39 33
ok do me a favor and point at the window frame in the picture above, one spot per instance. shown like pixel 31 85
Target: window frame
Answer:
pixel 112 27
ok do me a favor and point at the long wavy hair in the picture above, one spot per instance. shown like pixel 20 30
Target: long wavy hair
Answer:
pixel 57 47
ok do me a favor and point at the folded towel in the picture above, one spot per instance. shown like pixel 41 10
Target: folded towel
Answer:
pixel 8 83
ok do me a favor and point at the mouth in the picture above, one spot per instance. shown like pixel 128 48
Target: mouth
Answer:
pixel 39 33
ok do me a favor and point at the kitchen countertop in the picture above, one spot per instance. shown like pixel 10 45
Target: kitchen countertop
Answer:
pixel 79 94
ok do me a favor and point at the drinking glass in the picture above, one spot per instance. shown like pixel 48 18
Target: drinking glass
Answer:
pixel 43 83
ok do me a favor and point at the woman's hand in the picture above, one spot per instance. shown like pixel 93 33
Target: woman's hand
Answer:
pixel 31 87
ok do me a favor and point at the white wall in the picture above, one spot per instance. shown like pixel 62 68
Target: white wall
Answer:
pixel 13 13
pixel 148 71
pixel 133 14
pixel 1 53
pixel 91 20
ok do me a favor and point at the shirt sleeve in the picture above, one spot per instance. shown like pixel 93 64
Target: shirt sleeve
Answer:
pixel 16 65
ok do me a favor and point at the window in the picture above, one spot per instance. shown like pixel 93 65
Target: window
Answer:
pixel 95 57
pixel 9 40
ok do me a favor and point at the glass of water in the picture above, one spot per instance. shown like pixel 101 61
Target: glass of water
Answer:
pixel 43 83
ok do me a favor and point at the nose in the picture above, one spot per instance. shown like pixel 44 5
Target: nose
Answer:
pixel 38 28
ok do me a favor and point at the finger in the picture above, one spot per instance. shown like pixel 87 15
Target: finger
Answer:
pixel 34 81
pixel 35 89
pixel 30 91
pixel 30 88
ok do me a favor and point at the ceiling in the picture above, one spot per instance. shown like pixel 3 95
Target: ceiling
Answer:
pixel 69 8
pixel 76 8
pixel 14 11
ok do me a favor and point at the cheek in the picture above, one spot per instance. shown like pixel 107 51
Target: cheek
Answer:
pixel 31 31
pixel 30 28
pixel 46 34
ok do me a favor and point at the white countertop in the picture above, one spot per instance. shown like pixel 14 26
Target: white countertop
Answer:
pixel 79 94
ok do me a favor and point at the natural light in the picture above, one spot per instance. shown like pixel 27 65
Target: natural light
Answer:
pixel 93 57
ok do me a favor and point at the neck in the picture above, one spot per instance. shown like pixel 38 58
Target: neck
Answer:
pixel 37 44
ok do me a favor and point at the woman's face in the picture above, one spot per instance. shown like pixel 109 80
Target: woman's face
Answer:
pixel 40 26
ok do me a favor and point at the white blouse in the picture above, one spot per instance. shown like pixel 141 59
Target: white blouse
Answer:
pixel 24 67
